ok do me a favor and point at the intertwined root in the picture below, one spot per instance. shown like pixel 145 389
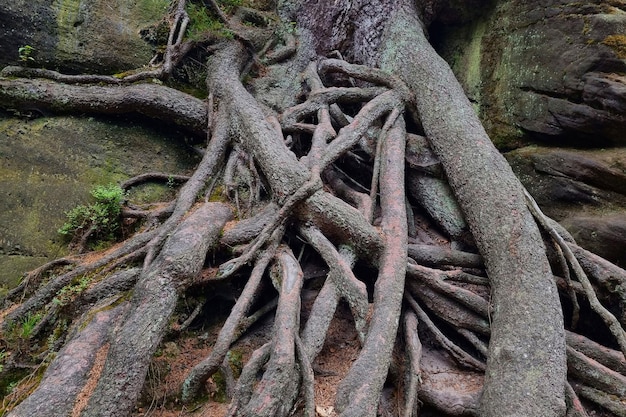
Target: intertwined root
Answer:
pixel 326 177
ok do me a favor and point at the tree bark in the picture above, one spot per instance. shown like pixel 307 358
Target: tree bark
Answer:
pixel 152 100
pixel 154 299
pixel 521 380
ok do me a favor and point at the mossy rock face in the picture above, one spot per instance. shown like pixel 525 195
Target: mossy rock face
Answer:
pixel 585 190
pixel 94 36
pixel 49 165
pixel 548 71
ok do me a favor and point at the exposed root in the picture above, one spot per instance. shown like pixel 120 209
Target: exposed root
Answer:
pixel 346 284
pixel 274 394
pixel 612 323
pixel 335 192
pixel 574 406
pixel 414 351
pixel 360 389
pixel 462 357
pixel 202 371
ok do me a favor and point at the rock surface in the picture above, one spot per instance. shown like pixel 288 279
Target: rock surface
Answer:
pixel 584 190
pixel 97 36
pixel 547 70
pixel 49 165
pixel 552 73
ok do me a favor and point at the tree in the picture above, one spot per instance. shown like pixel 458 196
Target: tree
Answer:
pixel 384 97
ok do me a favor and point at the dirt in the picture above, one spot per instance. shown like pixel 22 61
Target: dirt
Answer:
pixel 161 394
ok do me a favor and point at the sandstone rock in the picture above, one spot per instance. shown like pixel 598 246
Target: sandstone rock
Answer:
pixel 548 70
pixel 604 236
pixel 584 190
pixel 49 165
pixel 568 182
pixel 97 36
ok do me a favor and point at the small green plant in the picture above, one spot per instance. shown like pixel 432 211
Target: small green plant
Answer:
pixel 204 22
pixel 201 21
pixel 11 387
pixel 28 325
pixel 286 30
pixel 230 5
pixel 67 293
pixel 100 220
pixel 3 356
pixel 25 53
pixel 171 182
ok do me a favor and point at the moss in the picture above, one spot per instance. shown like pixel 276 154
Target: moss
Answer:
pixel 39 183
pixel 18 385
pixel 217 195
pixel 151 193
pixel 151 10
pixel 617 43
pixel 123 297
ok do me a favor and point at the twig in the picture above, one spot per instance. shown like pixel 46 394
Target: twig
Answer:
pixel 153 176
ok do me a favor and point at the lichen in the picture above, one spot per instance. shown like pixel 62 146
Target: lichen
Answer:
pixel 617 43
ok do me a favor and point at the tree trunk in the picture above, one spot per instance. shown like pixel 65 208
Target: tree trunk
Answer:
pixel 520 379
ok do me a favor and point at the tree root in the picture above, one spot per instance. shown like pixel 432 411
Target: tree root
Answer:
pixel 463 358
pixel 360 389
pixel 154 299
pixel 314 202
pixel 151 100
pixel 612 323
pixel 414 351
pixel 69 373
pixel 202 371
pixel 346 284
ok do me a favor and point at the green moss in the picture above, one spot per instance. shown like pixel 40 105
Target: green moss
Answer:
pixel 201 22
pixel 217 195
pixel 152 10
pixel 617 43
pixel 92 313
pixel 39 183
pixel 235 360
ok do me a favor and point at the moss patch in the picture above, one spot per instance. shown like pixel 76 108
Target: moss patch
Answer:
pixel 104 36
pixel 49 165
pixel 617 43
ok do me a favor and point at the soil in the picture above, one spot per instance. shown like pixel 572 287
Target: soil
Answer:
pixel 161 393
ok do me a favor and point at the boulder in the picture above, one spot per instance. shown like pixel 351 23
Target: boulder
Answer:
pixel 605 235
pixel 49 165
pixel 585 190
pixel 93 36
pixel 567 182
pixel 544 70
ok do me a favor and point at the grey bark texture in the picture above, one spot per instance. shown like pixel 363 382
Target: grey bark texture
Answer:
pixel 521 380
pixel 152 304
